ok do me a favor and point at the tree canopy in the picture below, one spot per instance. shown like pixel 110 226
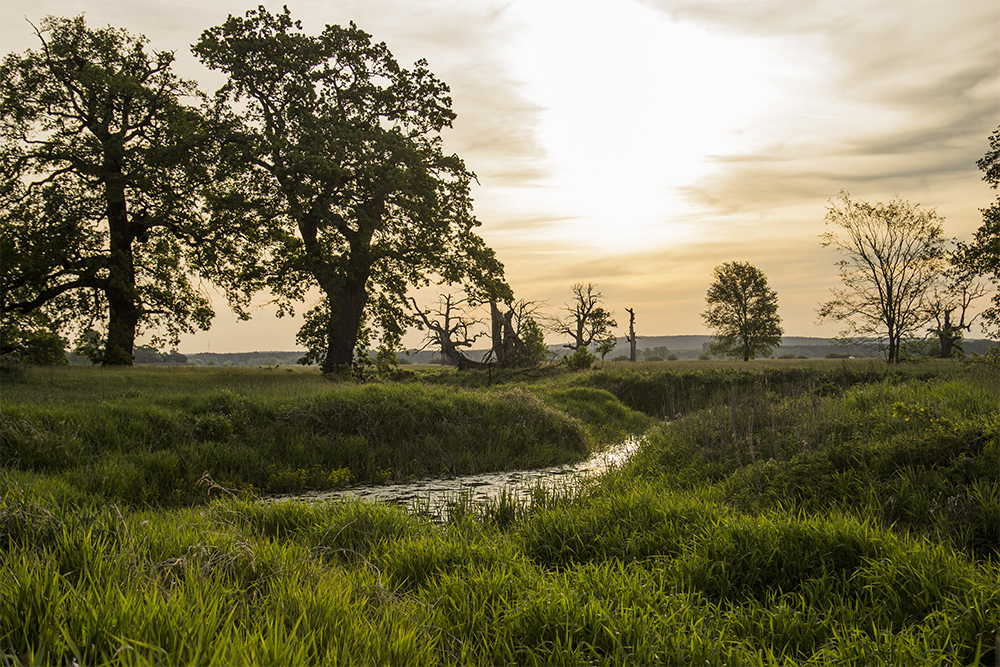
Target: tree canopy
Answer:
pixel 344 166
pixel 743 312
pixel 982 256
pixel 892 256
pixel 102 161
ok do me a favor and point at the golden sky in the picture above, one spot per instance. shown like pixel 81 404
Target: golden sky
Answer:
pixel 638 144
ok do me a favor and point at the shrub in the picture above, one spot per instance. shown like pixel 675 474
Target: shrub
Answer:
pixel 580 360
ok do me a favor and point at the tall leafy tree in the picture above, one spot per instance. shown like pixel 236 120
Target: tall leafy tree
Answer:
pixel 102 160
pixel 344 164
pixel 892 256
pixel 743 312
pixel 982 256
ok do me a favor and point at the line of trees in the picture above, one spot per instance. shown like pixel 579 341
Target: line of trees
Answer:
pixel 900 278
pixel 319 164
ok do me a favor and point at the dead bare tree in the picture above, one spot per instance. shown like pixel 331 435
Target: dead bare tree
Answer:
pixel 517 338
pixel 588 320
pixel 631 334
pixel 450 328
pixel 952 301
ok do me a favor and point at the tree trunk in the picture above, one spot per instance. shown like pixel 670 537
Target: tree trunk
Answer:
pixel 123 307
pixel 346 305
pixel 631 334
pixel 508 348
pixel 947 335
pixel 893 356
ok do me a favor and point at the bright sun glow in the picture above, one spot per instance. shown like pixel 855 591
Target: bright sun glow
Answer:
pixel 633 105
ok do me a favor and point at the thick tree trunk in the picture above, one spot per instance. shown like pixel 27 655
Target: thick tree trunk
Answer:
pixel 346 305
pixel 948 335
pixel 123 302
pixel 508 348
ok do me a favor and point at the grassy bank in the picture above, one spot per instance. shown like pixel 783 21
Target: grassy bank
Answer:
pixel 147 436
pixel 788 514
pixel 921 455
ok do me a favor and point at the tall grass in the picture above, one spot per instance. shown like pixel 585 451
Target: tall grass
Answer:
pixel 781 519
pixel 154 449
pixel 677 580
pixel 136 439
pixel 922 455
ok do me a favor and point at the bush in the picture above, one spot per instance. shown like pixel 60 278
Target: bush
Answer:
pixel 580 360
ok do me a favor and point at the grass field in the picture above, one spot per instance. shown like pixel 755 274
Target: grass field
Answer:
pixel 777 513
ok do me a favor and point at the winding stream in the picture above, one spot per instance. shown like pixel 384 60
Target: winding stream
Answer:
pixel 432 494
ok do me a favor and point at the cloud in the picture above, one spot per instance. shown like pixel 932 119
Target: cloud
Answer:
pixel 887 96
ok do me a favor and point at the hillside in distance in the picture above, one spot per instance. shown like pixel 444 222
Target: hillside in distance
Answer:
pixel 648 348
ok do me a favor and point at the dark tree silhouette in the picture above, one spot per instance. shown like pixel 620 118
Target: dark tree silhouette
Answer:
pixel 345 166
pixel 102 170
pixel 982 256
pixel 631 334
pixel 587 320
pixel 451 329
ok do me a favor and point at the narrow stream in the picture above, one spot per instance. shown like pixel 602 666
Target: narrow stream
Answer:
pixel 432 494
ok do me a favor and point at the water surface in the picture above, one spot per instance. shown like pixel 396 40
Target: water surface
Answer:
pixel 433 493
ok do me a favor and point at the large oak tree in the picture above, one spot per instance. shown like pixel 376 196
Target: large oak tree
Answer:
pixel 102 162
pixel 344 164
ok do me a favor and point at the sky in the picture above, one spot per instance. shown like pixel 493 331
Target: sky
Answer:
pixel 637 144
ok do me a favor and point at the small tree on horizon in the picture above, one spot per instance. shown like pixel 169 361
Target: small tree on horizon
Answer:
pixel 743 311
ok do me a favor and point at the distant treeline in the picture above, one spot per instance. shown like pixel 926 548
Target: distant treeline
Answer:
pixel 652 348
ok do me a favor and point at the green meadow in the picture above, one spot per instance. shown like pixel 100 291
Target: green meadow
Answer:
pixel 827 512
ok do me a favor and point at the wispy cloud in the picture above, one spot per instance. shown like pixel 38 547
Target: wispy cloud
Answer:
pixel 891 96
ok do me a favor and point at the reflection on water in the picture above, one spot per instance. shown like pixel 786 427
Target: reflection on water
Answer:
pixel 432 494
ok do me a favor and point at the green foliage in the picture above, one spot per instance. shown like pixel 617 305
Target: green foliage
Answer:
pixel 982 256
pixel 534 342
pixel 345 174
pixel 28 341
pixel 606 346
pixel 580 360
pixel 102 166
pixel 743 312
